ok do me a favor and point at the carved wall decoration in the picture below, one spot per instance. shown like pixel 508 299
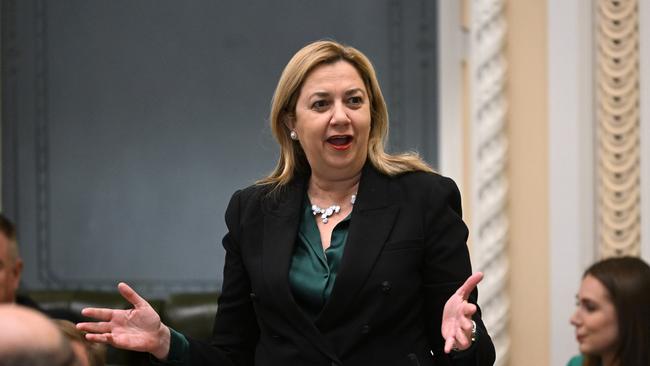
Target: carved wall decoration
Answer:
pixel 488 72
pixel 617 80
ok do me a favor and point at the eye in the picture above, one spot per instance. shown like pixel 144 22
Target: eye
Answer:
pixel 589 306
pixel 355 101
pixel 320 104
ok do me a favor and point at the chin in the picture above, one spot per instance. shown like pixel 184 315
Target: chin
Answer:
pixel 587 349
pixel 344 164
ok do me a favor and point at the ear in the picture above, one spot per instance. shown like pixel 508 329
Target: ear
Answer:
pixel 16 272
pixel 289 121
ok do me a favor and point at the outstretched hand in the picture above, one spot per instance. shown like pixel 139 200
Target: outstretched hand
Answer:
pixel 137 329
pixel 457 316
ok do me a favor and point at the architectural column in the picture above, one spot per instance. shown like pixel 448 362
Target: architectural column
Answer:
pixel 618 129
pixel 487 71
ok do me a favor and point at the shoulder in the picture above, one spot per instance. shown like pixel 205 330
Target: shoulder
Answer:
pixel 247 198
pixel 253 192
pixel 426 180
pixel 428 187
pixel 576 361
pixel 256 199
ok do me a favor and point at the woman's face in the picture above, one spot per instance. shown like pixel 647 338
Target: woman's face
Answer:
pixel 332 120
pixel 595 319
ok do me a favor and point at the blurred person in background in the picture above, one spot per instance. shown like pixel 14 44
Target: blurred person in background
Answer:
pixel 29 338
pixel 11 266
pixel 88 353
pixel 612 319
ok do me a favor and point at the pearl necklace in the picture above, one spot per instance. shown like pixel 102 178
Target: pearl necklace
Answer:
pixel 325 213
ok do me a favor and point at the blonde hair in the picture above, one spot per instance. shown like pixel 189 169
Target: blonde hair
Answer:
pixel 292 157
pixel 96 352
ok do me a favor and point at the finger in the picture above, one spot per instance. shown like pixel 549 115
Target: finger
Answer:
pixel 469 285
pixel 98 313
pixel 469 309
pixel 466 325
pixel 131 296
pixel 449 343
pixel 98 328
pixel 98 338
pixel 461 339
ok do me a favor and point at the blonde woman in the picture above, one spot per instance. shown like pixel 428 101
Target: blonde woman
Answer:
pixel 343 255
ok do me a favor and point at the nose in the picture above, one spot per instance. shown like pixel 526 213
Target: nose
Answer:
pixel 339 114
pixel 575 319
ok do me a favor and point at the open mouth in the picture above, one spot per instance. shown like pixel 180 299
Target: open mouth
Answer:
pixel 340 142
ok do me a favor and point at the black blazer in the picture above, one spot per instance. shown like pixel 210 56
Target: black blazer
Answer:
pixel 405 255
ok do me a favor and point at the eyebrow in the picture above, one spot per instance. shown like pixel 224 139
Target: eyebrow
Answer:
pixel 323 94
pixel 355 90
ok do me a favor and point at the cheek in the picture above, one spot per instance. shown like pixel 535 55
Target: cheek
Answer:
pixel 610 333
pixel 605 334
pixel 363 128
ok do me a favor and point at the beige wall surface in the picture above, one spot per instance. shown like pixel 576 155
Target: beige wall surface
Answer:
pixel 528 177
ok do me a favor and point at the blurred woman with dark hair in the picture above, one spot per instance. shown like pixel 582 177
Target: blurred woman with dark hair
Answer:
pixel 611 320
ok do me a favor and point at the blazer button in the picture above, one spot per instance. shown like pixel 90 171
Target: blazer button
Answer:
pixel 385 287
pixel 365 329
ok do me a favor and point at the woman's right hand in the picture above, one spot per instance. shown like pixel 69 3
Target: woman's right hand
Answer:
pixel 137 329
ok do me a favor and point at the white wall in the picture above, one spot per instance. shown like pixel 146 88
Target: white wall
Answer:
pixel 644 64
pixel 452 50
pixel 571 182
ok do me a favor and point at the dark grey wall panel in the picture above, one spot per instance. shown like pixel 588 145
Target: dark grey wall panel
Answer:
pixel 130 123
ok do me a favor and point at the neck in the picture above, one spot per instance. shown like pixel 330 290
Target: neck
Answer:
pixel 333 190
pixel 609 359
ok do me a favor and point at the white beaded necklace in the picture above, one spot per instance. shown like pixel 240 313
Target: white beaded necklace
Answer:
pixel 325 213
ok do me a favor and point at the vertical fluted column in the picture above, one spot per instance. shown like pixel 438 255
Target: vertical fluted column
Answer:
pixel 489 185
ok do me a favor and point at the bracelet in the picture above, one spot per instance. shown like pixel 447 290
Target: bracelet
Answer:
pixel 473 337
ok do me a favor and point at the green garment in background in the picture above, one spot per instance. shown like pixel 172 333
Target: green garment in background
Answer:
pixel 576 361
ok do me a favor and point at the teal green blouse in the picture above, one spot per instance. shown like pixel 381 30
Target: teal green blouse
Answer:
pixel 576 361
pixel 312 273
pixel 313 270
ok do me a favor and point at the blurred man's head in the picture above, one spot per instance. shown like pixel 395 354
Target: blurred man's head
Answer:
pixel 11 266
pixel 30 338
pixel 88 353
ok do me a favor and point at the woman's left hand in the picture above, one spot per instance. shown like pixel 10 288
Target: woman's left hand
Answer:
pixel 457 316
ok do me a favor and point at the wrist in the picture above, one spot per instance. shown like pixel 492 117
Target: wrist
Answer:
pixel 163 339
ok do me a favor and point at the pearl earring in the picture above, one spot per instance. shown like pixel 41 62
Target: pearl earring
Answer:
pixel 293 135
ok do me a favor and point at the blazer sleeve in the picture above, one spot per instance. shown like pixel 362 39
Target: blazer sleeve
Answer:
pixel 235 333
pixel 447 266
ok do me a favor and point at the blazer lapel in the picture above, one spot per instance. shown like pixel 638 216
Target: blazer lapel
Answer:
pixel 371 223
pixel 281 220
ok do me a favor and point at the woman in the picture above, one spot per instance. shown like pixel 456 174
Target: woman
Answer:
pixel 308 280
pixel 611 321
